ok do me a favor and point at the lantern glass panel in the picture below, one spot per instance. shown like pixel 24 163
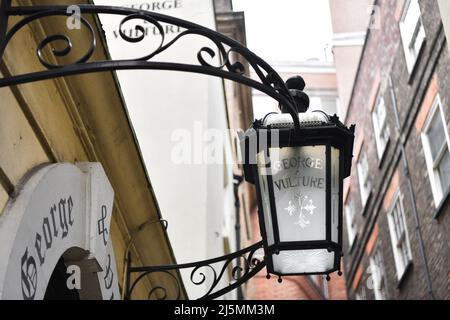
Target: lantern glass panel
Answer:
pixel 303 261
pixel 298 184
pixel 335 199
pixel 264 190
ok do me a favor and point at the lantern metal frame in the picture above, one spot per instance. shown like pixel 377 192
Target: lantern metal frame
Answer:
pixel 267 81
pixel 328 134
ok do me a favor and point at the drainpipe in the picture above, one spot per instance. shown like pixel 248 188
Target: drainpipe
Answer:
pixel 237 180
pixel 411 191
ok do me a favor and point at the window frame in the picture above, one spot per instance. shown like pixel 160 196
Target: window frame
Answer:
pixel 433 174
pixel 352 228
pixel 401 266
pixel 361 293
pixel 407 39
pixel 380 131
pixel 364 192
pixel 376 278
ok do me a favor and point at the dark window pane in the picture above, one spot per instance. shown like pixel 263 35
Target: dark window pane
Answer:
pixel 444 171
pixel 436 135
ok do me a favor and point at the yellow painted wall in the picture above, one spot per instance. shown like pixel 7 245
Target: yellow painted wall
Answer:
pixel 20 149
pixel 3 199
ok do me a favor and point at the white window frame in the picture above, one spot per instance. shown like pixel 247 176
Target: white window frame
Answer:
pixel 410 33
pixel 361 293
pixel 365 183
pixel 399 240
pixel 433 174
pixel 378 273
pixel 381 129
pixel 350 218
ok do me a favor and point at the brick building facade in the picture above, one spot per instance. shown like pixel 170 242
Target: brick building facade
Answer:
pixel 396 202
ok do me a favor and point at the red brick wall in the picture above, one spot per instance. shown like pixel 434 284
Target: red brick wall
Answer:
pixel 337 289
pixel 383 61
pixel 292 288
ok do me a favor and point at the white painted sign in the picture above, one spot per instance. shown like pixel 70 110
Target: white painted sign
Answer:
pixel 61 210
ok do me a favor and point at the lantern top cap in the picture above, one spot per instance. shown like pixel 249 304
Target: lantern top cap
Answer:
pixel 307 119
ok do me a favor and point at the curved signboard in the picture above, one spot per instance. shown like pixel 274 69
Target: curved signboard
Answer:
pixel 61 210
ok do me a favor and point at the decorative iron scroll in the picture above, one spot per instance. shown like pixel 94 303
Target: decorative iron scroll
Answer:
pixel 245 266
pixel 268 81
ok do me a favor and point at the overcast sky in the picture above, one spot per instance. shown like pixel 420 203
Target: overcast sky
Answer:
pixel 287 30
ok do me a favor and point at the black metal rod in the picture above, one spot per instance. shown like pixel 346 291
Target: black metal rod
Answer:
pixel 128 277
pixel 90 67
pixel 5 5
pixel 237 180
pixel 197 263
pixel 250 268
pixel 238 283
pixel 154 289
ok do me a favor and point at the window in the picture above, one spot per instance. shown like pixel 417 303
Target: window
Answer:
pixel 365 184
pixel 399 236
pixel 412 32
pixel 378 273
pixel 349 211
pixel 361 293
pixel 380 126
pixel 436 148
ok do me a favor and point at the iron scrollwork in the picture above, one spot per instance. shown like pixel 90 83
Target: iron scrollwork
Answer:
pixel 268 81
pixel 216 268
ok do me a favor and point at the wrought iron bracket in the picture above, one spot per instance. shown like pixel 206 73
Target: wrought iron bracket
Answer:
pixel 267 79
pixel 248 266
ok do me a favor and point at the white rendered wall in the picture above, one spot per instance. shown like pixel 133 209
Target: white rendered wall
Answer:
pixel 191 196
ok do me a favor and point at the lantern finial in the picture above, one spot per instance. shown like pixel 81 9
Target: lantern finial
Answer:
pixel 296 85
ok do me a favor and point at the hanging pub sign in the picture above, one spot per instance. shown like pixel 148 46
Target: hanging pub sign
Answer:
pixel 61 211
